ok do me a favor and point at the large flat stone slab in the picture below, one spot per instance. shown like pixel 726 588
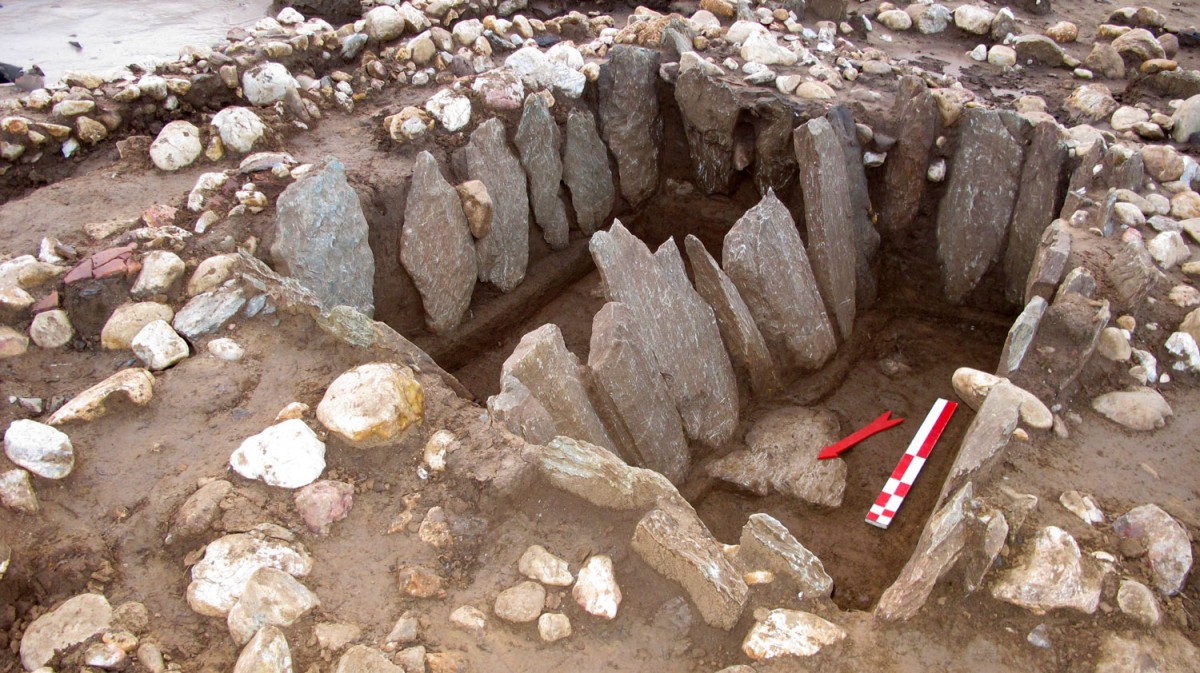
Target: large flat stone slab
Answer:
pixel 916 112
pixel 632 398
pixel 825 184
pixel 974 213
pixel 710 112
pixel 321 239
pixel 503 254
pixel 1037 196
pixel 436 247
pixel 629 115
pixel 586 172
pixel 766 260
pixel 540 143
pixel 679 329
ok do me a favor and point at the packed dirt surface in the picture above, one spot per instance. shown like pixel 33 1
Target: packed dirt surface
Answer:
pixel 113 525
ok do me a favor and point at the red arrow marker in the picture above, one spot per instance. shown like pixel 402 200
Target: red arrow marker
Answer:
pixel 880 424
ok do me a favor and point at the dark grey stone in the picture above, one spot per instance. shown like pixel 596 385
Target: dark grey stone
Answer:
pixel 539 142
pixel 630 121
pixel 503 254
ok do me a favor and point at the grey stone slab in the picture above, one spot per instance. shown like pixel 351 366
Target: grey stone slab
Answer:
pixel 503 254
pixel 631 125
pixel 540 142
pixel 1037 197
pixel 710 112
pixel 1049 262
pixel 918 119
pixel 586 172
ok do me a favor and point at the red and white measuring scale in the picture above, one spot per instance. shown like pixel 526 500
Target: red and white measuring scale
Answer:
pixel 896 488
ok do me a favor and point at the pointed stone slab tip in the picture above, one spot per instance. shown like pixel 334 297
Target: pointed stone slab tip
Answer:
pixel 904 173
pixel 321 239
pixel 630 121
pixel 631 397
pixel 743 340
pixel 520 412
pixel 678 328
pixel 674 542
pixel 599 477
pixel 827 216
pixel 973 215
pixel 436 247
pixel 710 112
pixel 1020 336
pixel 988 435
pixel 539 142
pixel 586 172
pixel 766 544
pixel 135 384
pixel 553 376
pixel 1051 575
pixel 503 254
pixel 766 260
pixel 782 457
pixel 937 550
pixel 1049 262
pixel 790 633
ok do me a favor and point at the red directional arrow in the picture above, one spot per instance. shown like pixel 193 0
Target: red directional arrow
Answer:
pixel 880 424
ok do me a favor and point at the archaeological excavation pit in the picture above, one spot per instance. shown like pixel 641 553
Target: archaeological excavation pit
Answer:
pixel 925 284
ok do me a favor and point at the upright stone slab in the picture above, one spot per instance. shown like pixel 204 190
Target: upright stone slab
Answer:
pixel 436 247
pixel 827 206
pixel 503 254
pixel 321 239
pixel 1037 197
pixel 866 238
pixel 632 398
pixel 1020 336
pixel 766 260
pixel 586 172
pixel 1049 262
pixel 552 374
pixel 684 342
pixel 519 411
pixel 973 215
pixel 629 116
pixel 918 120
pixel 539 143
pixel 774 158
pixel 710 112
pixel 743 340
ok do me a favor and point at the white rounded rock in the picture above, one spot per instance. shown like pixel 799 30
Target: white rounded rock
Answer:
pixel 239 128
pixel 596 589
pixel 384 23
pixel 177 145
pixel 554 626
pixel 51 329
pixel 538 564
pixel 267 83
pixel 522 603
pixel 453 111
pixel 158 345
pixel 160 270
pixel 39 448
pixel 372 404
pixel 288 455
pixel 226 349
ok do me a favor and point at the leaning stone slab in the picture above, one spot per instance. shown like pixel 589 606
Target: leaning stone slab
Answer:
pixel 1066 338
pixel 208 311
pixel 678 328
pixel 503 254
pixel 1049 262
pixel 601 478
pixel 741 335
pixel 904 173
pixel 866 237
pixel 1020 336
pixel 540 144
pixel 436 247
pixel 321 239
pixel 519 411
pixel 937 550
pixel 1036 198
pixel 675 542
pixel 586 172
pixel 986 438
pixel 710 112
pixel 630 120
pixel 631 397
pixel 1051 575
pixel 782 457
pixel 973 215
pixel 827 217
pixel 766 544
pixel 552 374
pixel 766 260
